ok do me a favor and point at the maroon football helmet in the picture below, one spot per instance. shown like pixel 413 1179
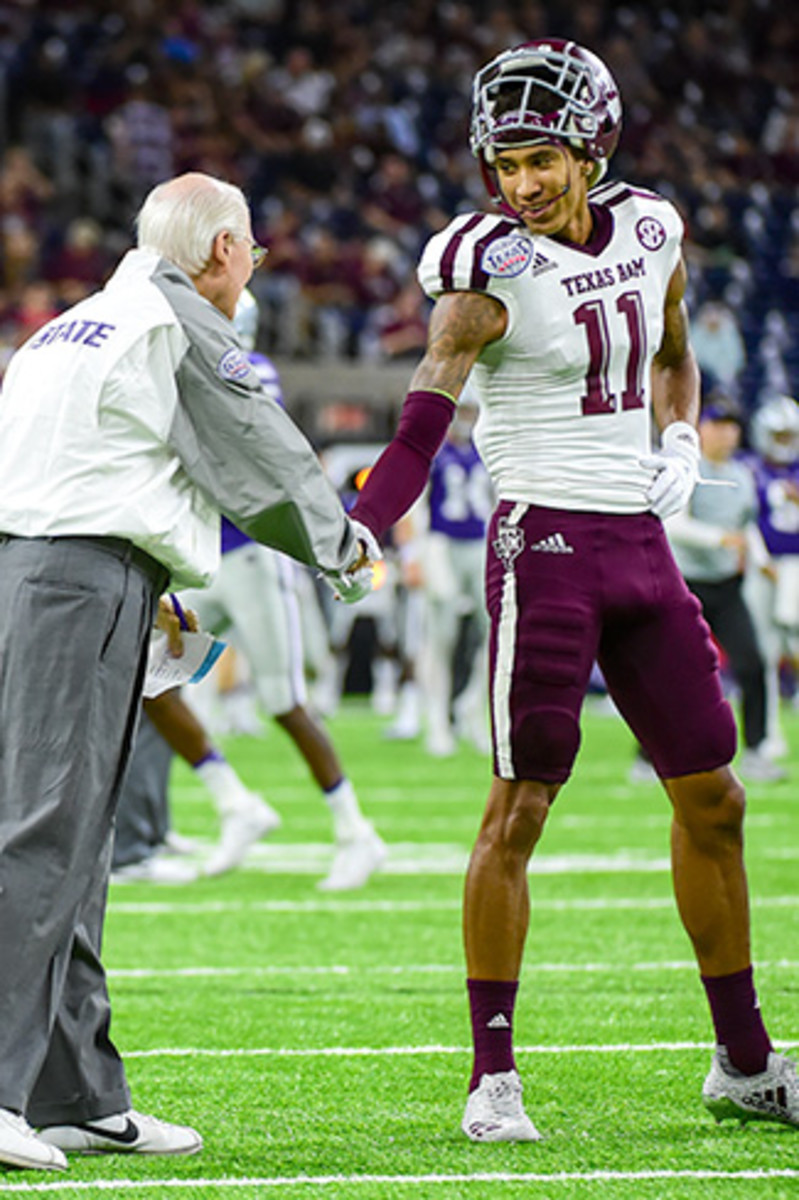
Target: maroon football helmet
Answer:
pixel 541 91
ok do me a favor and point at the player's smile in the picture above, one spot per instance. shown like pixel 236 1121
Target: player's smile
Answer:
pixel 544 185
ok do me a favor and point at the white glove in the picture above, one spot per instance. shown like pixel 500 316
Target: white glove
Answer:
pixel 676 469
pixel 350 586
pixel 370 544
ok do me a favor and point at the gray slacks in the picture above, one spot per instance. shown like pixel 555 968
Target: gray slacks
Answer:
pixel 75 617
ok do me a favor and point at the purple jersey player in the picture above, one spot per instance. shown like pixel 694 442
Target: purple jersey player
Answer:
pixel 566 306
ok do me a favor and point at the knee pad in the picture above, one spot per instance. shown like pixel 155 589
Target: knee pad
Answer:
pixel 545 745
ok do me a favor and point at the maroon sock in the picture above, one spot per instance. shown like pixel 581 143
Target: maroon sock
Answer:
pixel 491 1003
pixel 737 1020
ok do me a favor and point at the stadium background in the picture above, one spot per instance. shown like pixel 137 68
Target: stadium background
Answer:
pixel 346 125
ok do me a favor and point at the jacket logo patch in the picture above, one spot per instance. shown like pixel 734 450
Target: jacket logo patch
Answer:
pixel 233 364
pixel 508 256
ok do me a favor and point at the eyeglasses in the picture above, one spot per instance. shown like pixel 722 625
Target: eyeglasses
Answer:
pixel 257 253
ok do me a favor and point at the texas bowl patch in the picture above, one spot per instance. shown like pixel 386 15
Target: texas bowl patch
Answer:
pixel 507 256
pixel 233 364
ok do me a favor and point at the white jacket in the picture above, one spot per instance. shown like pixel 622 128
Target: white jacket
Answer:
pixel 136 414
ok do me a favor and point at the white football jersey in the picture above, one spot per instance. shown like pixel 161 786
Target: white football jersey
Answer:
pixel 565 394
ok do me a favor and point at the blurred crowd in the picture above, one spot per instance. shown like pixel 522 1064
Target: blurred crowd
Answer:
pixel 347 126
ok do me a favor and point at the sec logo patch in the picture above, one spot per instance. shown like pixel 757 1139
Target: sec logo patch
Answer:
pixel 650 233
pixel 508 256
pixel 233 364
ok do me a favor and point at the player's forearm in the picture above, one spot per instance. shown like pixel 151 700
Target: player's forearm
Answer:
pixel 400 474
pixel 675 391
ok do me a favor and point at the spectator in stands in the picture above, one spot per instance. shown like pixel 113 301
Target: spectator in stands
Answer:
pixel 718 344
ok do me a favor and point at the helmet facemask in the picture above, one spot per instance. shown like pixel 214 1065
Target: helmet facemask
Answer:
pixel 545 91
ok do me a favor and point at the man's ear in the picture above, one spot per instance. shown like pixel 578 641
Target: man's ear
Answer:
pixel 220 250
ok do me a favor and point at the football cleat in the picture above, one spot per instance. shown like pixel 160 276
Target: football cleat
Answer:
pixel 772 1095
pixel 494 1111
pixel 355 861
pixel 20 1146
pixel 158 868
pixel 756 767
pixel 241 829
pixel 123 1133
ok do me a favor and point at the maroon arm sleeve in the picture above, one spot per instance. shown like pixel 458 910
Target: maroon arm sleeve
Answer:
pixel 400 473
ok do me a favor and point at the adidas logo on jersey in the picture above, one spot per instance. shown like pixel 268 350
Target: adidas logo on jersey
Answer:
pixel 500 1021
pixel 554 544
pixel 541 263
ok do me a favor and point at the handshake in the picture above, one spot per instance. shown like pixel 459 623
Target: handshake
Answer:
pixel 356 581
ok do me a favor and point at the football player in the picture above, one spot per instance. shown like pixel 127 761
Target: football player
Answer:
pixel 453 565
pixel 566 305
pixel 254 597
pixel 773 597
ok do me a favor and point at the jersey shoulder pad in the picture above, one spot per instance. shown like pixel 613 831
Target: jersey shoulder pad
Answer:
pixel 471 251
pixel 651 212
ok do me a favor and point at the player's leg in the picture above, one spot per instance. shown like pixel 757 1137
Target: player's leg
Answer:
pixel 244 816
pixel 541 649
pixel 263 604
pixel 471 706
pixel 732 625
pixel 440 632
pixel 708 868
pixel 142 823
pixel 747 1079
pixel 759 594
pixel 662 671
pixel 496 915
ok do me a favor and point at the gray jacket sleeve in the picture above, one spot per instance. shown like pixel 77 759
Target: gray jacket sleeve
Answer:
pixel 242 448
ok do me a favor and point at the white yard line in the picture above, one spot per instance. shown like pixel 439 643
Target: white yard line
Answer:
pixel 120 907
pixel 353 1181
pixel 342 970
pixel 419 1051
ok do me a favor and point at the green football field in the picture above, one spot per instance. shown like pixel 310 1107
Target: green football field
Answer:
pixel 321 1043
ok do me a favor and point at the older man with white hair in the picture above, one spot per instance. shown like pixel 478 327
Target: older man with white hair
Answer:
pixel 127 424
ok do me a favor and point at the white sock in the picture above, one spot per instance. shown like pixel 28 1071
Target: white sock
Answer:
pixel 348 820
pixel 228 792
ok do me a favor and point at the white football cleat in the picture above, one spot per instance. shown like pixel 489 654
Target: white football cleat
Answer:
pixel 772 1095
pixel 355 861
pixel 756 767
pixel 123 1133
pixel 494 1111
pixel 21 1146
pixel 440 741
pixel 158 868
pixel 241 829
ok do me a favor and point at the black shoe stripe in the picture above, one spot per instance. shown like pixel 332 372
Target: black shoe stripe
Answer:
pixel 124 1137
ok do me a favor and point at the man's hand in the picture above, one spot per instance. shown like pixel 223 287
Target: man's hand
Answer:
pixel 676 469
pixel 173 619
pixel 351 585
